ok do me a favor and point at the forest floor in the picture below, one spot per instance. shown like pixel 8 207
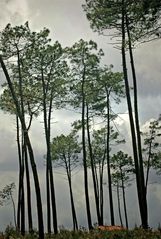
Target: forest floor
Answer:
pixel 95 234
pixel 125 234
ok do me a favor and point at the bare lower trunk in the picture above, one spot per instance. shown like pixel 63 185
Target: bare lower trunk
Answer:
pixel 29 209
pixel 37 188
pixel 22 225
pixel 143 199
pixel 14 210
pixel 101 198
pixel 22 190
pixel 148 165
pixel 124 199
pixel 85 160
pixel 141 168
pixel 96 193
pixel 48 200
pixel 75 223
pixel 53 201
pixel 108 163
pixel 20 175
pixel 119 206
pixel 132 126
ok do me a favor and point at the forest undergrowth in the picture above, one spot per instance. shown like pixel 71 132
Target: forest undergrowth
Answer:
pixel 136 233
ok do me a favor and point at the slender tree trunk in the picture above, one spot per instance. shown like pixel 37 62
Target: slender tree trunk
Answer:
pixel 53 200
pixel 50 181
pixel 143 186
pixel 20 175
pixel 132 126
pixel 47 157
pixel 52 187
pixel 14 209
pixel 84 158
pixel 96 176
pixel 75 223
pixel 22 218
pixel 96 190
pixel 119 205
pixel 23 148
pixel 37 187
pixel 28 190
pixel 49 173
pixel 48 199
pixel 101 173
pixel 101 198
pixel 22 190
pixel 124 199
pixel 108 162
pixel 148 165
pixel 21 203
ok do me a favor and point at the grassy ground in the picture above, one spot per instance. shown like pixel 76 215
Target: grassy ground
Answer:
pixel 134 234
pixel 95 234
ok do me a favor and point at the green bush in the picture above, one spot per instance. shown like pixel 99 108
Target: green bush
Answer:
pixel 12 232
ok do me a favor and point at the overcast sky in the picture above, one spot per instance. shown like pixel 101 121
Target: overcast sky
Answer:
pixel 67 23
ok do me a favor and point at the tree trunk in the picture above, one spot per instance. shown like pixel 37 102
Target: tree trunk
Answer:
pixel 14 209
pixel 84 157
pixel 101 198
pixel 50 184
pixel 124 199
pixel 75 223
pixel 134 144
pixel 53 200
pixel 20 175
pixel 37 187
pixel 22 219
pixel 143 187
pixel 108 162
pixel 48 199
pixel 148 165
pixel 119 206
pixel 49 171
pixel 96 190
pixel 22 144
pixel 22 189
pixel 47 157
pixel 28 190
pixel 101 173
pixel 52 187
